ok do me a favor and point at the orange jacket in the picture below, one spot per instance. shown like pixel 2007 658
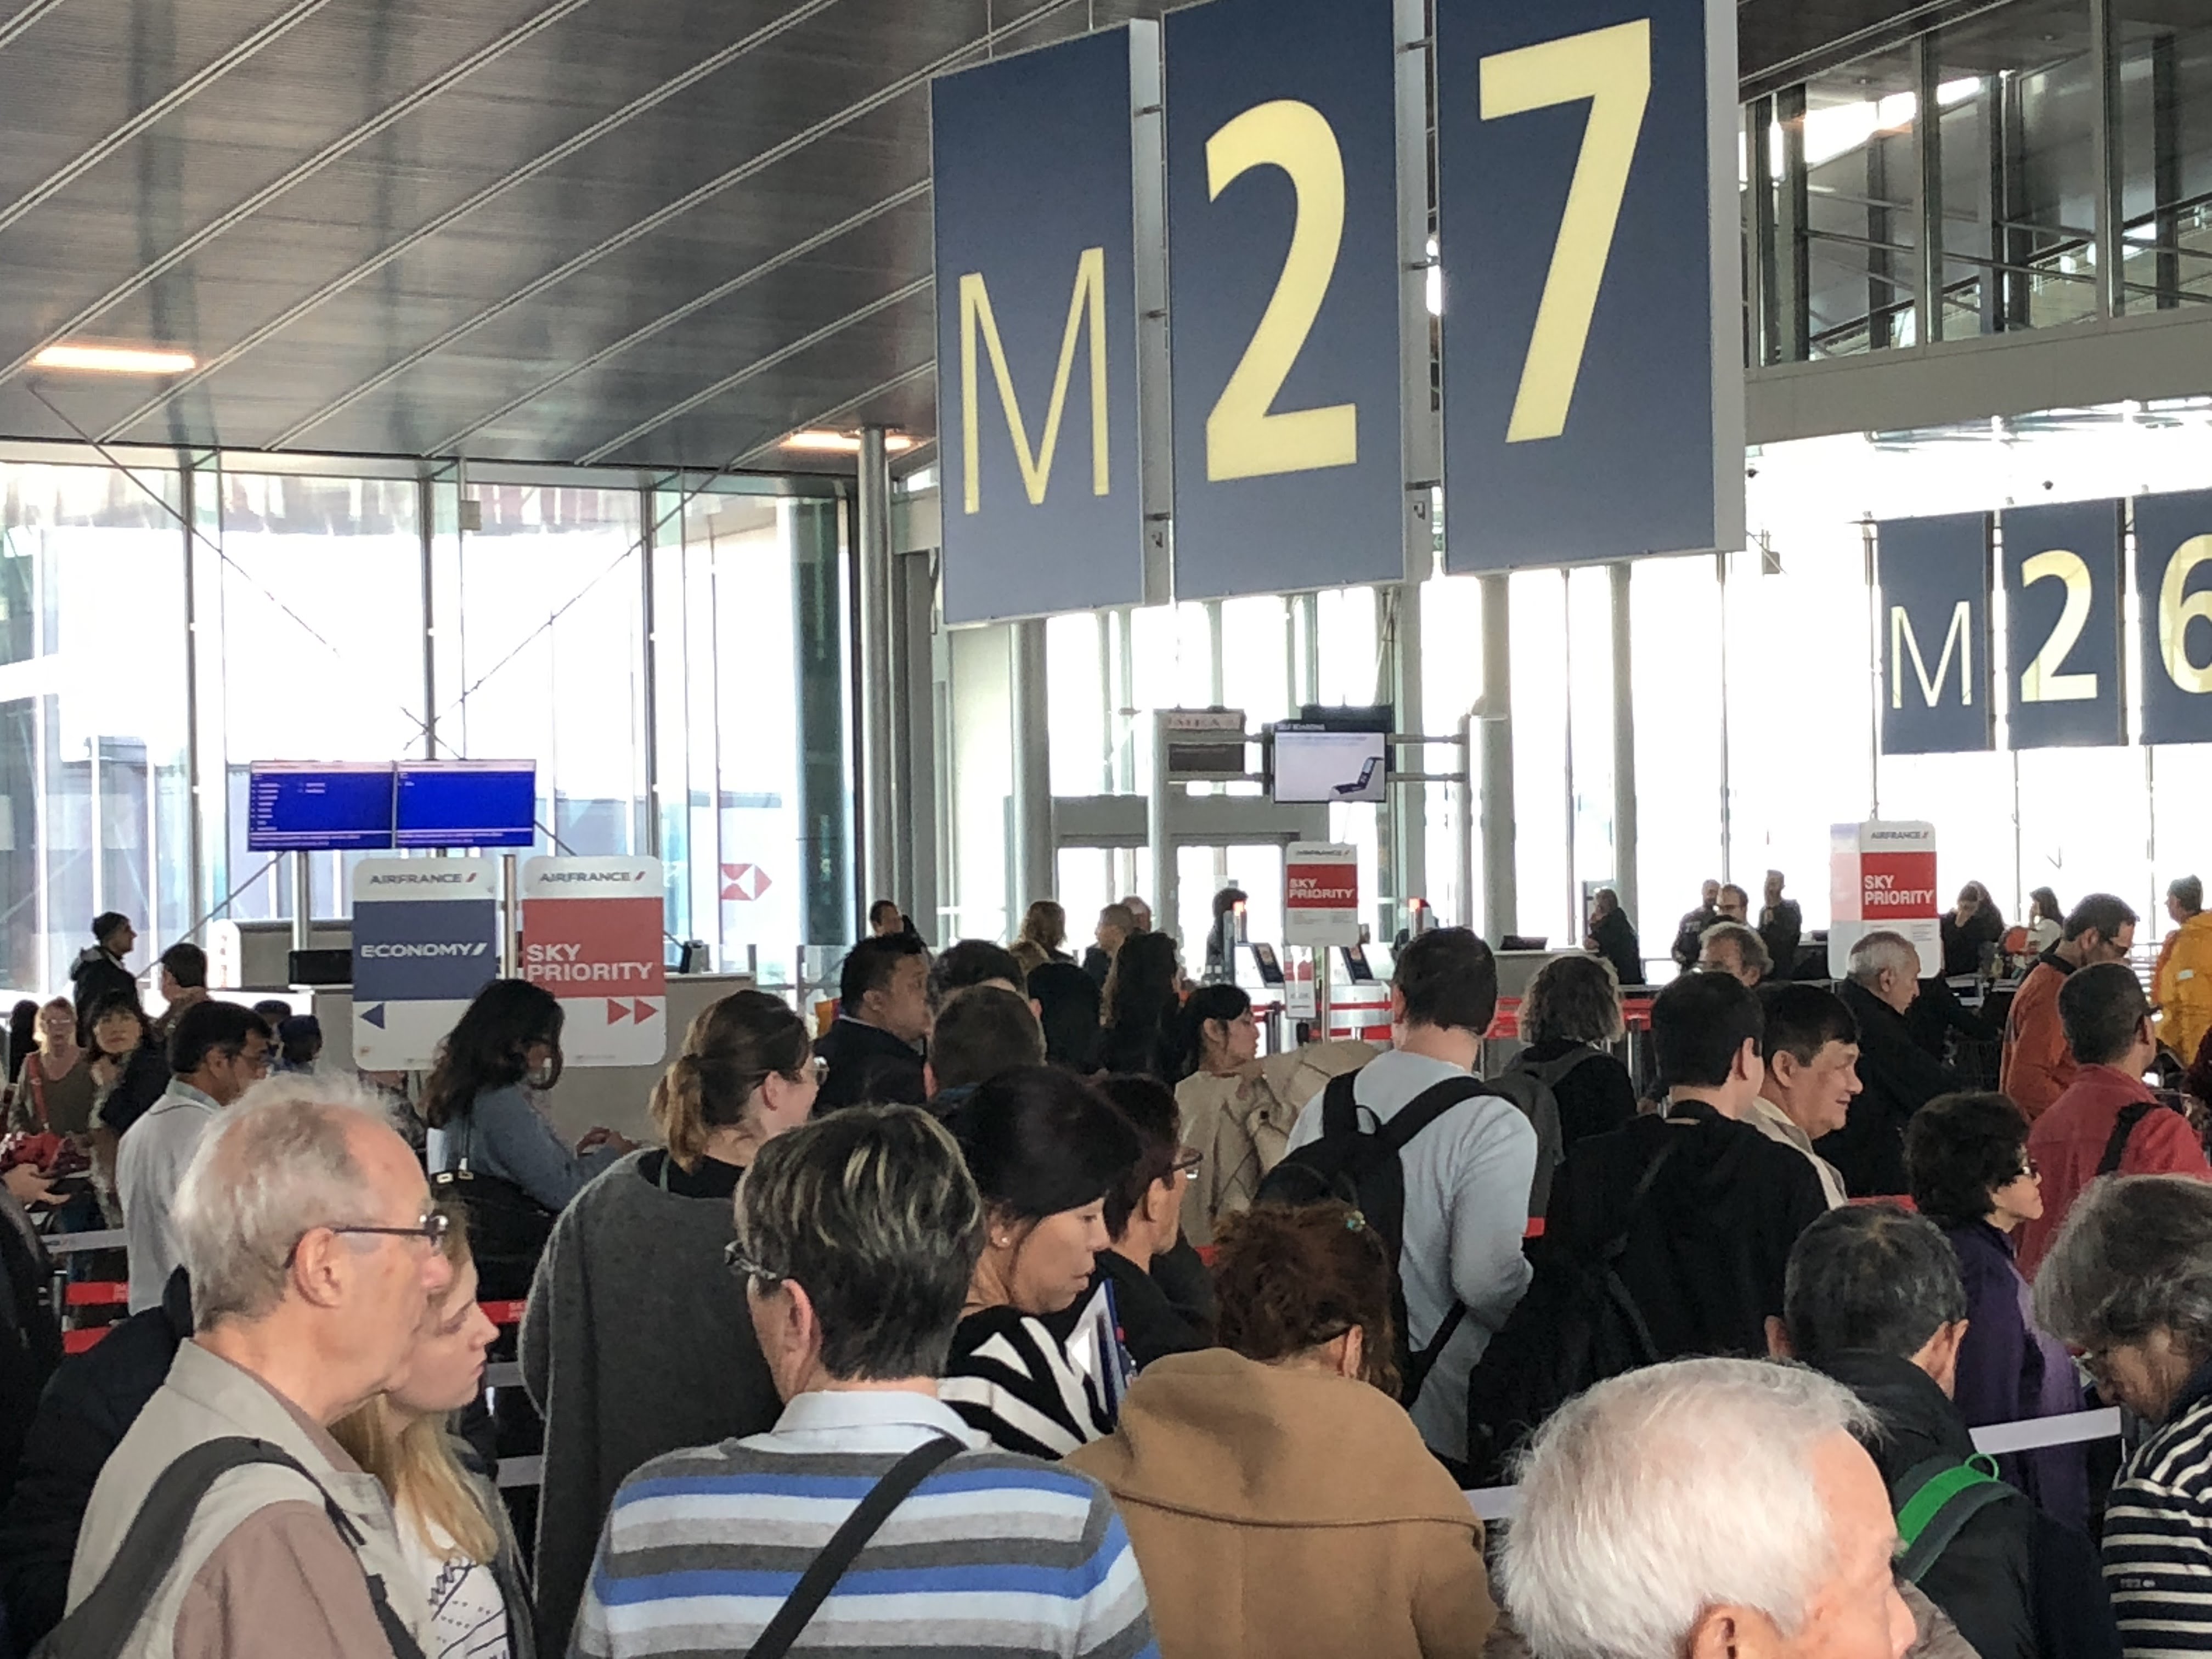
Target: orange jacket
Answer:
pixel 2183 987
pixel 2038 1066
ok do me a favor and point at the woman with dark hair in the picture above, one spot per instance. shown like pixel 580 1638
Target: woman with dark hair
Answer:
pixel 1970 924
pixel 2046 922
pixel 1142 1008
pixel 1045 1149
pixel 129 1072
pixel 1044 927
pixel 631 1300
pixel 1571 1011
pixel 1965 1156
pixel 1277 1477
pixel 22 1035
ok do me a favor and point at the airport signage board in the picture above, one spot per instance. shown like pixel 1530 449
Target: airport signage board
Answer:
pixel 1282 296
pixel 2173 595
pixel 425 941
pixel 1882 879
pixel 2062 577
pixel 1933 579
pixel 1033 162
pixel 1587 226
pixel 1320 893
pixel 591 934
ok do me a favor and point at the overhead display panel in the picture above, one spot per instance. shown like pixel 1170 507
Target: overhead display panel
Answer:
pixel 1936 687
pixel 2173 592
pixel 318 806
pixel 467 803
pixel 1282 296
pixel 1033 165
pixel 2062 579
pixel 1587 226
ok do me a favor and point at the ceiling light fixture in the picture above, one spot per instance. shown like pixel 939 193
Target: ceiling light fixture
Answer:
pixel 846 443
pixel 114 360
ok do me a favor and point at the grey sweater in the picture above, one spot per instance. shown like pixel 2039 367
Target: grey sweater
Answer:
pixel 636 1342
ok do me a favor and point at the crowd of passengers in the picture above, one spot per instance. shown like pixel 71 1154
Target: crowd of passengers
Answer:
pixel 1027 1310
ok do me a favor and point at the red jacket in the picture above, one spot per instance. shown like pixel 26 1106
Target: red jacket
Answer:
pixel 2068 1142
pixel 2037 1066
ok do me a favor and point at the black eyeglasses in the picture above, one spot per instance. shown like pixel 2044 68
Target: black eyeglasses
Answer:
pixel 1187 1158
pixel 431 1229
pixel 735 1259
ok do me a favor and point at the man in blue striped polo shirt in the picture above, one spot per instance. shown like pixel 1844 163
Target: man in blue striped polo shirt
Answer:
pixel 857 1235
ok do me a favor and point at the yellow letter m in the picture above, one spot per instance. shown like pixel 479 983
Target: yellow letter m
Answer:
pixel 1088 302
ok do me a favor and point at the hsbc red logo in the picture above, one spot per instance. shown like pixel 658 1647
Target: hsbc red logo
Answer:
pixel 744 881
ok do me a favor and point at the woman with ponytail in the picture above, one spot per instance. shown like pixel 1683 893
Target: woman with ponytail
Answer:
pixel 636 1341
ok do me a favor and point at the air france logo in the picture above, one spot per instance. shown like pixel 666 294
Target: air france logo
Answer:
pixel 460 879
pixel 557 877
pixel 444 949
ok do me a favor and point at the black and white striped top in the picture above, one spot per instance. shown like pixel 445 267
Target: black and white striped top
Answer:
pixel 1010 1379
pixel 2158 1537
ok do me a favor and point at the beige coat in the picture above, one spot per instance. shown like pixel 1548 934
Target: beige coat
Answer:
pixel 1290 1514
pixel 1242 1124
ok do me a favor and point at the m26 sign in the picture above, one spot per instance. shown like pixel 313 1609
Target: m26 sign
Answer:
pixel 1933 579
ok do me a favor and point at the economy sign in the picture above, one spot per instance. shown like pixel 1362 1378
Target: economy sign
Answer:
pixel 1033 164
pixel 1282 296
pixel 425 941
pixel 591 934
pixel 1587 228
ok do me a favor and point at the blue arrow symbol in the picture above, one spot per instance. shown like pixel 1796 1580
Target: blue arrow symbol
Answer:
pixel 374 1016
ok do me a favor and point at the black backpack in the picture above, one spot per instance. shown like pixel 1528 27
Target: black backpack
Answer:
pixel 101 1625
pixel 1362 1167
pixel 1575 1326
pixel 1934 1501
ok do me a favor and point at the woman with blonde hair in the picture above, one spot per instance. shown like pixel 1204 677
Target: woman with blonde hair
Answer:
pixel 452 1526
pixel 1278 1498
pixel 1044 927
pixel 632 1345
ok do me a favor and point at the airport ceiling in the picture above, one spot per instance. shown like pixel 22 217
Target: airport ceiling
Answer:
pixel 661 233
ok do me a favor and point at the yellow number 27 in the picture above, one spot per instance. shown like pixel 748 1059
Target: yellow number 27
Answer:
pixel 1611 68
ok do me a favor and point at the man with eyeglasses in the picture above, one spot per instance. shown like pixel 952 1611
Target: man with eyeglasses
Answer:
pixel 307 1232
pixel 217 1051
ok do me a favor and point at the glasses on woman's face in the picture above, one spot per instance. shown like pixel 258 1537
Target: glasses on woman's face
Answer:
pixel 2029 1170
pixel 735 1259
pixel 1185 1167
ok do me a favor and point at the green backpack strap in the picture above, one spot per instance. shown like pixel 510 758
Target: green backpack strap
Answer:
pixel 1935 1500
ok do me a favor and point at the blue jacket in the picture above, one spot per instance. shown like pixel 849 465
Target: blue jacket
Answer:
pixel 2010 1370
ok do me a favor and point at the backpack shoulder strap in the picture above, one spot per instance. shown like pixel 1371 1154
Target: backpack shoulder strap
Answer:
pixel 2123 1130
pixel 1340 1105
pixel 845 1545
pixel 1427 1106
pixel 1552 1072
pixel 1940 1498
pixel 1616 1245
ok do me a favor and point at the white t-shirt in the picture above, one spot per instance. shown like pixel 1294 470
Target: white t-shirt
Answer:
pixel 468 1614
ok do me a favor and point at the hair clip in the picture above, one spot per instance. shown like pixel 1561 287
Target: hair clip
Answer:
pixel 1355 1223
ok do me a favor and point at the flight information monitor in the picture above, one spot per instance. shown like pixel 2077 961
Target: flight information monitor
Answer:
pixel 1312 765
pixel 313 806
pixel 468 803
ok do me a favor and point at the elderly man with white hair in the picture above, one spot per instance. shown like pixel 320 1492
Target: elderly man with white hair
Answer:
pixel 308 1232
pixel 1897 1076
pixel 1710 1509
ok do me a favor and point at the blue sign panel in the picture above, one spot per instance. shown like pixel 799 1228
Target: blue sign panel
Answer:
pixel 1282 296
pixel 300 806
pixel 2174 587
pixel 1587 212
pixel 2062 576
pixel 1032 166
pixel 468 804
pixel 425 941
pixel 1933 578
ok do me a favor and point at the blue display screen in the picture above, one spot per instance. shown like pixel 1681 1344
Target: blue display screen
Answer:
pixel 299 806
pixel 467 803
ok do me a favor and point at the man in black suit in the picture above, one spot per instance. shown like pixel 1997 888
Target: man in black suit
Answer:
pixel 873 1049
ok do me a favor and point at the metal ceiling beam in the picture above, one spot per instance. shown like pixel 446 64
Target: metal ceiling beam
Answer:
pixel 23 19
pixel 599 129
pixel 322 158
pixel 837 411
pixel 175 99
pixel 682 204
pixel 759 366
pixel 451 444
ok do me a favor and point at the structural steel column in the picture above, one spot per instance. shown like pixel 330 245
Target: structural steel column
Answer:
pixel 1928 164
pixel 1032 856
pixel 1624 747
pixel 871 582
pixel 1499 902
pixel 2105 152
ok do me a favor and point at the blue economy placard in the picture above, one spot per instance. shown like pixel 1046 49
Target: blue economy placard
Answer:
pixel 1587 226
pixel 1032 168
pixel 1933 576
pixel 1282 296
pixel 2062 580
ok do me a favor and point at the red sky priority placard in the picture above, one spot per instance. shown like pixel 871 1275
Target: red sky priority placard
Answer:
pixel 591 934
